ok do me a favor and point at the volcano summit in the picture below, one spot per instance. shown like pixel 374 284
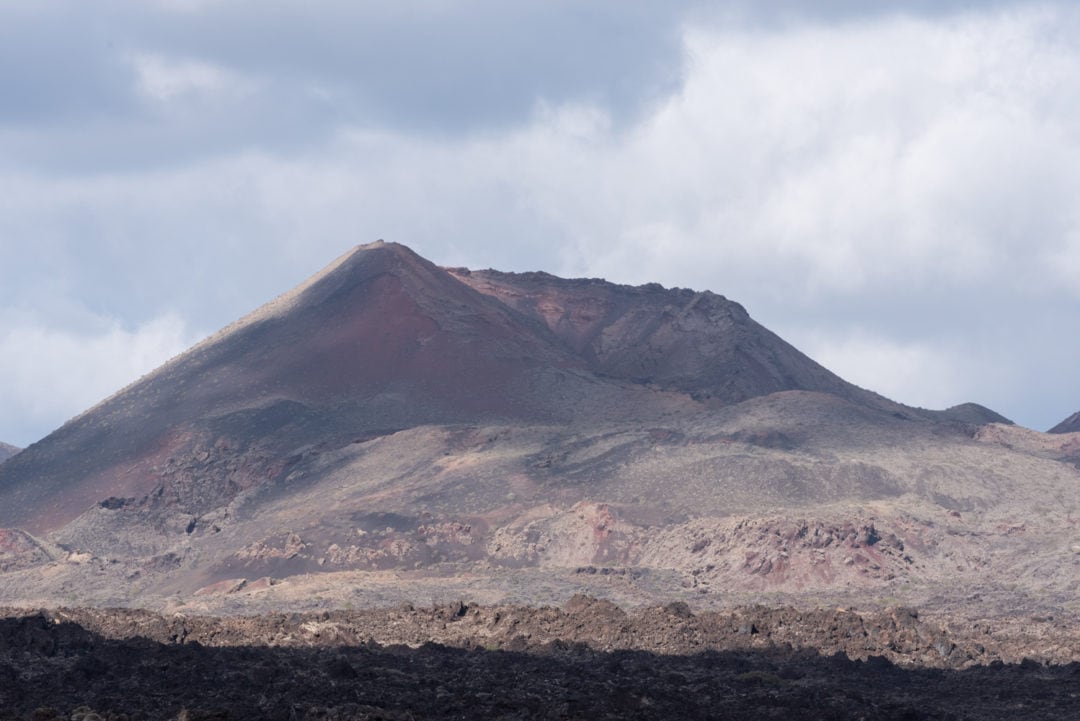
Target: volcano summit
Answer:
pixel 391 430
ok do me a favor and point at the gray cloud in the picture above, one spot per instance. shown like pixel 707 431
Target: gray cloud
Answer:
pixel 69 72
pixel 58 66
pixel 443 66
pixel 49 374
pixel 427 67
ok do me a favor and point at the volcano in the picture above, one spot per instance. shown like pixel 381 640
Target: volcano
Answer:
pixel 394 427
pixel 379 341
pixel 382 340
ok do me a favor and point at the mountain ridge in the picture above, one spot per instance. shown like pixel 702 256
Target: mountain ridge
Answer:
pixel 7 451
pixel 587 323
pixel 389 416
pixel 1069 425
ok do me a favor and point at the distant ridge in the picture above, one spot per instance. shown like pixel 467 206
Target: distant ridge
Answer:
pixel 974 414
pixel 7 451
pixel 1069 425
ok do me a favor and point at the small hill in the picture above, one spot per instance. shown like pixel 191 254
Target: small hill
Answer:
pixel 973 414
pixel 1069 425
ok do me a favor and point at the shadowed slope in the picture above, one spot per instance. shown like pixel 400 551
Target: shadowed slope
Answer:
pixel 7 451
pixel 698 343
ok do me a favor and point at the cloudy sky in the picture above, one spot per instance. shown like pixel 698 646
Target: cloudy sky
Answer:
pixel 893 187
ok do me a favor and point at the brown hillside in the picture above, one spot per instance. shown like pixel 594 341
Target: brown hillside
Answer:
pixel 698 343
pixel 379 341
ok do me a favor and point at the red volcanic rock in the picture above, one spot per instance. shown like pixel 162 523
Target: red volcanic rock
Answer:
pixel 697 343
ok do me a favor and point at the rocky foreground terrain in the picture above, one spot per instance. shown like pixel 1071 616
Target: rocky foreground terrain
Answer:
pixel 587 660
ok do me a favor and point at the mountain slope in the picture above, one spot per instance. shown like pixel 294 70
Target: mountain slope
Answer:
pixel 7 451
pixel 1069 425
pixel 380 340
pixel 699 343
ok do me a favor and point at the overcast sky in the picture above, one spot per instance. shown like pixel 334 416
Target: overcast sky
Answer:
pixel 893 187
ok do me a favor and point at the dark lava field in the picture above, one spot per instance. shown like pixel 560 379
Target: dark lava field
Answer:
pixel 131 665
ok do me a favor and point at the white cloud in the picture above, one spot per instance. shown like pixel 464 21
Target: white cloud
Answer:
pixel 916 373
pixel 859 157
pixel 165 79
pixel 51 374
